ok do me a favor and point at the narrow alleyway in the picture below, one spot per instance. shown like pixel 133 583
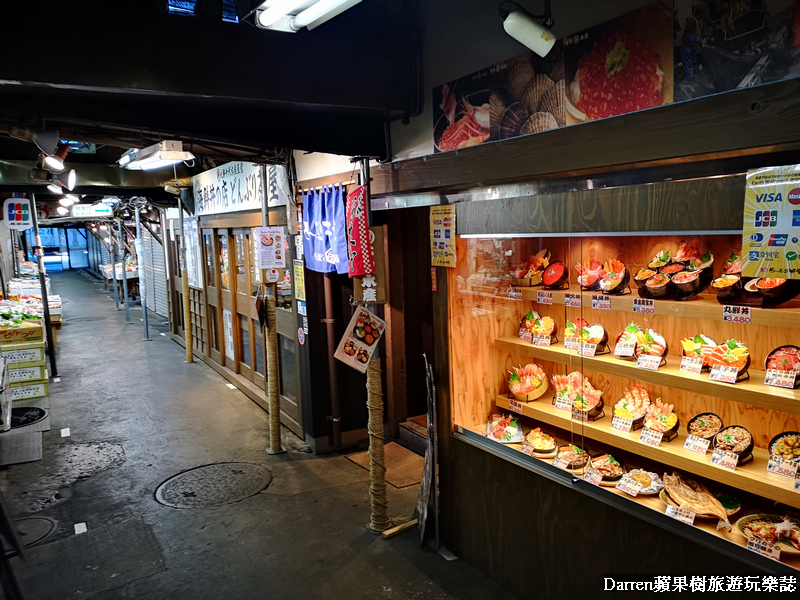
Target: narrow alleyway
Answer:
pixel 138 415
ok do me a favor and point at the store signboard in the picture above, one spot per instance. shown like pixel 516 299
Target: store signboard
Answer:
pixel 91 211
pixel 443 243
pixel 194 256
pixel 771 228
pixel 233 187
pixel 227 323
pixel 17 213
pixel 277 185
pixel 270 250
pixel 360 339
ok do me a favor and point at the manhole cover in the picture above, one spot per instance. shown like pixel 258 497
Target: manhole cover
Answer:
pixel 85 319
pixel 34 529
pixel 213 485
pixel 26 415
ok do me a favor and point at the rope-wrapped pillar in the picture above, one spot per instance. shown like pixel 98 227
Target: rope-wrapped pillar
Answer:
pixel 272 377
pixel 379 504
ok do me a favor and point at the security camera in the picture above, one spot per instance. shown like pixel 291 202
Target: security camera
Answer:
pixel 171 189
pixel 526 29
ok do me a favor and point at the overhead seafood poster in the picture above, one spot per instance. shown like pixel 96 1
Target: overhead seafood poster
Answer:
pixel 360 339
pixel 443 239
pixel 771 228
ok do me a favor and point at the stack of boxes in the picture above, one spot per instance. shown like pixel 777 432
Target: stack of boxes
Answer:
pixel 24 354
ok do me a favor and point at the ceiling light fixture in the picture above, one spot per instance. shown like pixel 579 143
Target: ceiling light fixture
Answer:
pixel 162 154
pixel 62 211
pixel 55 162
pixel 66 201
pixel 292 15
pixel 526 28
pixel 54 187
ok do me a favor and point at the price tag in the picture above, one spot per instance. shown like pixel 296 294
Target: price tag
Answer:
pixel 724 373
pixel 624 349
pixel 586 349
pixel 515 293
pixel 543 297
pixel 784 379
pixel 696 444
pixel 515 406
pixel 650 437
pixel 786 468
pixel 764 548
pixel 646 361
pixel 561 463
pixel 527 449
pixel 724 459
pixel 563 403
pixel 601 302
pixel 580 415
pixel 681 514
pixel 571 343
pixel 542 341
pixel 593 476
pixel 736 314
pixel 622 424
pixel 629 486
pixel 525 334
pixel 644 305
pixel 573 300
pixel 692 364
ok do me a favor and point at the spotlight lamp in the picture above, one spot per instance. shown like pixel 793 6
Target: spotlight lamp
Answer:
pixel 528 29
pixel 62 210
pixel 54 187
pixel 55 162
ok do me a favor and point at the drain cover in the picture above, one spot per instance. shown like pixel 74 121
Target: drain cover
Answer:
pixel 34 529
pixel 213 485
pixel 85 319
pixel 26 415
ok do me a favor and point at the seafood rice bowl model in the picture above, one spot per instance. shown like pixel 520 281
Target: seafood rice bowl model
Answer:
pixel 527 383
pixel 642 275
pixel 659 260
pixel 658 285
pixel 785 446
pixel 609 467
pixel 784 358
pixel 736 439
pixel 772 287
pixel 698 346
pixel 727 286
pixel 732 353
pixel 687 281
pixel 650 343
pixel 733 266
pixel 541 442
pixel 633 405
pixel 555 275
pixel 590 273
pixel 616 277
pixel 705 425
pixel 661 417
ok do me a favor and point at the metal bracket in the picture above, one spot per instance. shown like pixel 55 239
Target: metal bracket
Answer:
pixel 327 320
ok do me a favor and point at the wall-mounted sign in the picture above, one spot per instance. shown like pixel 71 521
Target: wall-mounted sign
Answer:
pixel 443 243
pixel 771 228
pixel 233 187
pixel 227 324
pixel 371 288
pixel 277 185
pixel 194 256
pixel 17 213
pixel 299 281
pixel 360 339
pixel 270 250
pixel 91 211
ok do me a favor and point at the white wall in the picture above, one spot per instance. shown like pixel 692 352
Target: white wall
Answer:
pixel 464 36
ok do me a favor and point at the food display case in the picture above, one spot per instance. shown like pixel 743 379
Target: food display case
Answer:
pixel 640 369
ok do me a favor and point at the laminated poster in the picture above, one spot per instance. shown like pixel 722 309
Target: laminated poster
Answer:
pixel 443 243
pixel 771 228
pixel 360 339
pixel 270 251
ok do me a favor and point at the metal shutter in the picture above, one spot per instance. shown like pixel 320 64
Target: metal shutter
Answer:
pixel 155 274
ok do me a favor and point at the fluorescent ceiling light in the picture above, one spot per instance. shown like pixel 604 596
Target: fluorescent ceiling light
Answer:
pixel 277 9
pixel 322 11
pixel 162 154
pixel 62 211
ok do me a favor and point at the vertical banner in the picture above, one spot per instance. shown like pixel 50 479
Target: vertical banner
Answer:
pixel 191 234
pixel 270 250
pixel 227 322
pixel 360 339
pixel 360 258
pixel 371 288
pixel 771 228
pixel 299 281
pixel 324 235
pixel 277 185
pixel 443 244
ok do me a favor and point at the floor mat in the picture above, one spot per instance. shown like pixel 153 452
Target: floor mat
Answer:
pixel 20 448
pixel 403 467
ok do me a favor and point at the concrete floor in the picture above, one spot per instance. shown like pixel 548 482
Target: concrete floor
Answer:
pixel 138 415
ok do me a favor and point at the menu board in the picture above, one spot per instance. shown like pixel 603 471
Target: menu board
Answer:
pixel 360 339
pixel 770 242
pixel 270 250
pixel 443 243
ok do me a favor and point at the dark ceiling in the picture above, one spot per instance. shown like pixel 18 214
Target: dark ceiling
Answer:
pixel 126 74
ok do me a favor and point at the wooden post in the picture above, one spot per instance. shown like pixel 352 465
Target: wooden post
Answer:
pixel 272 375
pixel 379 504
pixel 187 313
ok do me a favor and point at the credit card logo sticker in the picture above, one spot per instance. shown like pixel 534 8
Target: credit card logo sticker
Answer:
pixel 778 239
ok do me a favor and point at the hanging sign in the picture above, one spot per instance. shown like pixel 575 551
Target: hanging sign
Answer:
pixel 360 339
pixel 270 251
pixel 359 246
pixel 233 187
pixel 277 185
pixel 770 242
pixel 443 244
pixel 299 281
pixel 17 213
pixel 371 287
pixel 90 211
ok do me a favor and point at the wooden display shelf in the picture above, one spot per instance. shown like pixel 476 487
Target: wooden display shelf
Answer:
pixel 752 391
pixel 703 306
pixel 752 477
